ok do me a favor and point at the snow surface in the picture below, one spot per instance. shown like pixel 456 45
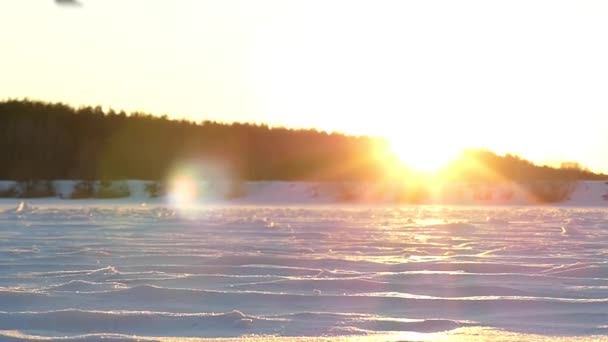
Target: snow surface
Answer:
pixel 83 271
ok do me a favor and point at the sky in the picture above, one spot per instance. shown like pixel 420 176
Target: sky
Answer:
pixel 526 77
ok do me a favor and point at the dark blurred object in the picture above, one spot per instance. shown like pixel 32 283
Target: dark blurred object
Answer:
pixel 68 3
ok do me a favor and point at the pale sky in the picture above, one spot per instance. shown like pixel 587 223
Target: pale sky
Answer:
pixel 527 77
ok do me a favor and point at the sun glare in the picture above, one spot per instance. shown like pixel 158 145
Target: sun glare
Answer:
pixel 426 157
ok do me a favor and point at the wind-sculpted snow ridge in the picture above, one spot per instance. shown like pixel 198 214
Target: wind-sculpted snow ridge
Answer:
pixel 126 272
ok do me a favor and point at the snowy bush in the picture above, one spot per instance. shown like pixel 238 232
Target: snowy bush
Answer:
pixel 155 189
pixel 102 189
pixel 9 191
pixel 112 189
pixel 83 189
pixel 35 189
pixel 550 191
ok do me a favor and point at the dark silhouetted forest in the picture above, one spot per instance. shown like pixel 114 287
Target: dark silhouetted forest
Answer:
pixel 483 165
pixel 55 141
pixel 51 141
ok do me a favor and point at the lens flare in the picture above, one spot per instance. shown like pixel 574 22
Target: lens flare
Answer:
pixel 198 182
pixel 184 186
pixel 182 191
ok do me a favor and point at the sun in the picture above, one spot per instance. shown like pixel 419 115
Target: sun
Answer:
pixel 422 156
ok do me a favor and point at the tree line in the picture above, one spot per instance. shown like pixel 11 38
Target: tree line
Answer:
pixel 487 166
pixel 40 140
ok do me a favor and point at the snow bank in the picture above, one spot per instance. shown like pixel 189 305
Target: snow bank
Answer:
pixel 585 193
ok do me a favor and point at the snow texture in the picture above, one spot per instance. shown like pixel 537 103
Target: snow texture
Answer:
pixel 78 270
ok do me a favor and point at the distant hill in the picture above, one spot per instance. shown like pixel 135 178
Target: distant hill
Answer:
pixel 40 140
